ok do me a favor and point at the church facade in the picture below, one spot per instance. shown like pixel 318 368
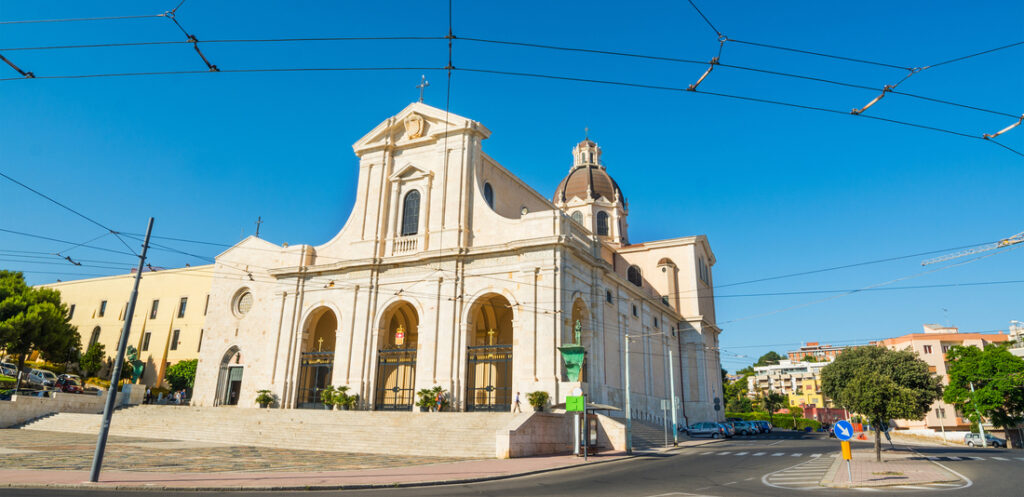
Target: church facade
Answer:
pixel 452 272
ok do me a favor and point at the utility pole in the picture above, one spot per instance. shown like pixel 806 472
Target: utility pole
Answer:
pixel 672 398
pixel 940 412
pixel 108 408
pixel 980 428
pixel 629 412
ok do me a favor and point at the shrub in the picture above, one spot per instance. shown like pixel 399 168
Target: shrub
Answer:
pixel 182 375
pixel 784 422
pixel 428 398
pixel 538 399
pixel 265 398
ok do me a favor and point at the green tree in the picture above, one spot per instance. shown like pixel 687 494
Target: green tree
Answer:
pixel 741 404
pixel 998 379
pixel 771 402
pixel 33 319
pixel 182 375
pixel 796 412
pixel 882 385
pixel 92 360
pixel 809 358
pixel 771 357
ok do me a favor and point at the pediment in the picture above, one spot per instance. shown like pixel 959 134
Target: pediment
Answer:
pixel 409 173
pixel 417 124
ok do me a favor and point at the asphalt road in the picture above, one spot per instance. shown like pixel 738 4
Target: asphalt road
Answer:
pixel 739 467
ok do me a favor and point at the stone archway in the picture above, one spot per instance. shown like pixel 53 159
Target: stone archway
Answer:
pixel 316 361
pixel 398 337
pixel 489 355
pixel 229 379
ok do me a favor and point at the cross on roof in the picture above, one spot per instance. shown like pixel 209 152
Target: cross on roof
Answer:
pixel 423 84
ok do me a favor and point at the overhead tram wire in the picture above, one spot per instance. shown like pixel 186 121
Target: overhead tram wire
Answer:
pixel 41 237
pixel 69 209
pixel 82 19
pixel 531 45
pixel 229 71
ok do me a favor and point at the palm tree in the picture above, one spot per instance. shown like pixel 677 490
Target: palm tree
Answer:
pixel 771 402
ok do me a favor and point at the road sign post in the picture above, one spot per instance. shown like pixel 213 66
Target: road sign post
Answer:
pixel 844 432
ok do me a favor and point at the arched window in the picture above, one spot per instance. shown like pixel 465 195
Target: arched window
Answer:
pixel 602 223
pixel 489 195
pixel 95 336
pixel 578 217
pixel 411 213
pixel 633 275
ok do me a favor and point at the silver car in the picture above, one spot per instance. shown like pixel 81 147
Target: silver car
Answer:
pixel 713 430
pixel 974 439
pixel 746 428
pixel 9 369
pixel 42 377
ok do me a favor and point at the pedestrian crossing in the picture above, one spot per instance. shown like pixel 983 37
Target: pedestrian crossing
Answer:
pixel 757 454
pixel 975 458
pixel 803 476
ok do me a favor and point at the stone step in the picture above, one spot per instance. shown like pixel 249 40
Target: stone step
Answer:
pixel 457 434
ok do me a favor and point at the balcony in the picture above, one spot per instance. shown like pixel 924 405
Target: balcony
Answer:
pixel 405 245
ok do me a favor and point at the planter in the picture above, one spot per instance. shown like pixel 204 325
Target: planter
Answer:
pixel 538 408
pixel 264 406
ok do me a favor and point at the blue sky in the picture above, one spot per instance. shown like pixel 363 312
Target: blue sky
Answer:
pixel 777 190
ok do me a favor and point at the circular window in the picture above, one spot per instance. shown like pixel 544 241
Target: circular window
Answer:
pixel 243 304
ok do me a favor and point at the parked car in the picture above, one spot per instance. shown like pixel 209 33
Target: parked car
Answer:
pixel 974 439
pixel 766 427
pixel 713 430
pixel 9 369
pixel 729 429
pixel 746 428
pixel 42 378
pixel 68 383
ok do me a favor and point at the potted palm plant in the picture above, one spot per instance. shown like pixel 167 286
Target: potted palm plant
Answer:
pixel 538 400
pixel 432 399
pixel 327 397
pixel 343 400
pixel 264 398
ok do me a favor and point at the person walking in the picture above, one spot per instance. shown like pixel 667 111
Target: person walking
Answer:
pixel 516 407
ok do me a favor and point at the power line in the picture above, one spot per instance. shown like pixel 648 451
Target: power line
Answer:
pixel 708 21
pixel 77 213
pixel 41 237
pixel 819 54
pixel 255 70
pixel 950 61
pixel 81 19
pixel 228 41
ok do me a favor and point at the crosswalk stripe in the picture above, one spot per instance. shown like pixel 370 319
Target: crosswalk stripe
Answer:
pixel 798 454
pixel 778 454
pixel 954 458
pixel 1000 458
pixel 815 455
pixel 724 453
pixel 976 458
pixel 741 453
pixel 760 454
pixel 933 458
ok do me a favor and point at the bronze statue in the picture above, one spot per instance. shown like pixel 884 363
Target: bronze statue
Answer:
pixel 132 358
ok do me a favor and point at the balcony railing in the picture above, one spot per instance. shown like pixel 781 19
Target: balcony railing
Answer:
pixel 405 245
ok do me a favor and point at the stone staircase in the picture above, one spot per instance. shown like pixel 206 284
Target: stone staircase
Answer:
pixel 404 433
pixel 647 436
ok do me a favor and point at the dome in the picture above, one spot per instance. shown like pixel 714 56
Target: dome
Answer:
pixel 590 178
pixel 588 175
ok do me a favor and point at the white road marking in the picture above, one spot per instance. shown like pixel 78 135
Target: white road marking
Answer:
pixel 976 458
pixel 933 458
pixel 777 454
pixel 724 453
pixel 741 453
pixel 1000 458
pixel 815 455
pixel 912 487
pixel 954 458
pixel 945 484
pixel 866 489
pixel 798 454
pixel 1021 458
pixel 760 454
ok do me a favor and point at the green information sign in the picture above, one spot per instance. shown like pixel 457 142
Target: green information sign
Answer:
pixel 574 403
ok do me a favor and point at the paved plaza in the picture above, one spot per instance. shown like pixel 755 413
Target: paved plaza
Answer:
pixel 46 450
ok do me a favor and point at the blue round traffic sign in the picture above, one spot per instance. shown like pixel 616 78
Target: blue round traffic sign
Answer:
pixel 843 430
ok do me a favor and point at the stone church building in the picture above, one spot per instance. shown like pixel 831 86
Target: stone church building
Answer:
pixel 452 271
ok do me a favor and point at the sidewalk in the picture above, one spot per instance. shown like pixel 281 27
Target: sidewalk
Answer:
pixel 428 474
pixel 899 466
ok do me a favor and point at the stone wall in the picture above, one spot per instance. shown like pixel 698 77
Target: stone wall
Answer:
pixel 540 434
pixel 23 408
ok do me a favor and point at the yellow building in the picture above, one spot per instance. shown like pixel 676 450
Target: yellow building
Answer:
pixel 168 321
pixel 808 394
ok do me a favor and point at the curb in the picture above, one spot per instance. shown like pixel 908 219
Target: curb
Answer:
pixel 828 481
pixel 356 486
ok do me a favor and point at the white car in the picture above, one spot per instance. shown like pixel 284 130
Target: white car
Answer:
pixel 9 369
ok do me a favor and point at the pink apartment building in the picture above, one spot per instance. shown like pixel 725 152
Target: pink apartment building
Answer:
pixel 932 346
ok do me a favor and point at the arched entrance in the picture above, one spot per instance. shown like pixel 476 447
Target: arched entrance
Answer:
pixel 317 359
pixel 396 358
pixel 489 355
pixel 229 380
